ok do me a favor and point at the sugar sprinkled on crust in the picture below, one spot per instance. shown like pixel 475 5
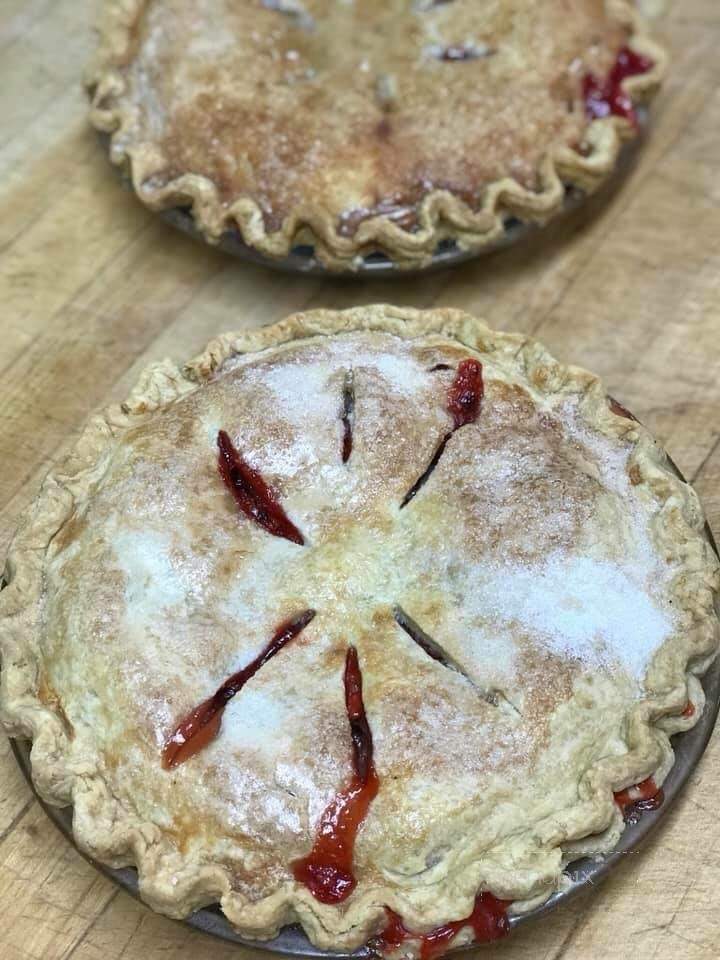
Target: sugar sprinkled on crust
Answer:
pixel 598 612
pixel 523 775
pixel 335 133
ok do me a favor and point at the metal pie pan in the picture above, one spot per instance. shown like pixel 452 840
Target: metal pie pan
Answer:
pixel 302 259
pixel 582 874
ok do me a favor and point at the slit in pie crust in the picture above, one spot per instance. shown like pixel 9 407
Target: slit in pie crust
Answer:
pixel 374 126
pixel 403 723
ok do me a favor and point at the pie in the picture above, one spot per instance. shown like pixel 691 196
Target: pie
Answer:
pixel 370 621
pixel 376 126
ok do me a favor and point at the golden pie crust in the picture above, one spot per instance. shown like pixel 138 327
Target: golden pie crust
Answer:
pixel 553 553
pixel 358 127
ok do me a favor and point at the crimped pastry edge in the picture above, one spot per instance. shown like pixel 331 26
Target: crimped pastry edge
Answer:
pixel 441 214
pixel 176 884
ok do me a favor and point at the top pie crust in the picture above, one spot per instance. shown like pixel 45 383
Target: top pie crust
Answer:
pixel 553 553
pixel 353 126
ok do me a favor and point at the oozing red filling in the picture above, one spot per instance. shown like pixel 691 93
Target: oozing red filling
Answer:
pixel 252 494
pixel 394 933
pixel 327 871
pixel 642 796
pixel 347 440
pixel 489 921
pixel 466 393
pixel 202 725
pixel 608 98
pixel 403 214
pixel 464 400
pixel 689 710
pixel 348 416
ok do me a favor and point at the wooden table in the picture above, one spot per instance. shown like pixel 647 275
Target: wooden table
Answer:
pixel 92 287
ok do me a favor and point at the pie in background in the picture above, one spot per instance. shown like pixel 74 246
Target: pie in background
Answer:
pixel 382 125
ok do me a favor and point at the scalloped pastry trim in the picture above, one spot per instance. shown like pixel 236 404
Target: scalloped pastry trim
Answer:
pixel 441 215
pixel 175 883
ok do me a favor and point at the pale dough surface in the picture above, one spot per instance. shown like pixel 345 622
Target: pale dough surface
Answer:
pixel 551 553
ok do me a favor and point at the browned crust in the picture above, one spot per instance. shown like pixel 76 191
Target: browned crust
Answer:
pixel 175 881
pixel 441 214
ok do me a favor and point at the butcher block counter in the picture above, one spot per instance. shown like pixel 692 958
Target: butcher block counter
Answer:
pixel 93 287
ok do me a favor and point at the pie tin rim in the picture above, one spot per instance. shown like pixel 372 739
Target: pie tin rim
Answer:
pixel 301 260
pixel 689 747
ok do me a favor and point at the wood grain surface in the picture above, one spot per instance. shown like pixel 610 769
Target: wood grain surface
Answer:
pixel 92 287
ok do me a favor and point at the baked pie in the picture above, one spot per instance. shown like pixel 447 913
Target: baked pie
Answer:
pixel 370 621
pixel 369 126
